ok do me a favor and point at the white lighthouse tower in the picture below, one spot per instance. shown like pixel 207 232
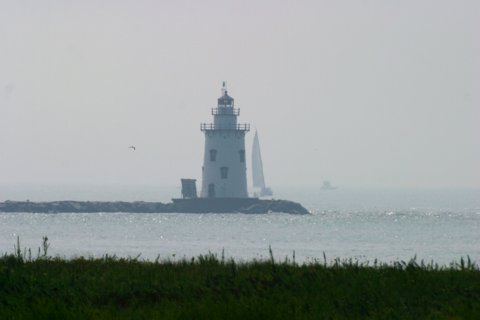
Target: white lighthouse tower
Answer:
pixel 224 170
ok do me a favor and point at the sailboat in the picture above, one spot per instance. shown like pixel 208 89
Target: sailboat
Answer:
pixel 257 171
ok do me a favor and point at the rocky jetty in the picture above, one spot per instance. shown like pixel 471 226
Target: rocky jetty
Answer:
pixel 250 205
pixel 84 206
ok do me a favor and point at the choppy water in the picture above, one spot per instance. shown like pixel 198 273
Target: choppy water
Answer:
pixel 442 225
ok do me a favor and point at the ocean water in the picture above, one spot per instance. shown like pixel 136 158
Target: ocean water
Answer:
pixel 363 224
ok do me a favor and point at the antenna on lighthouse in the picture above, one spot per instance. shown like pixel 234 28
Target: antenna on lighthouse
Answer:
pixel 224 88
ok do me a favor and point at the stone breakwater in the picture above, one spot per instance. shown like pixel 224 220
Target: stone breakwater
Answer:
pixel 250 205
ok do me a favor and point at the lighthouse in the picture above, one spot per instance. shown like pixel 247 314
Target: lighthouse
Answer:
pixel 224 172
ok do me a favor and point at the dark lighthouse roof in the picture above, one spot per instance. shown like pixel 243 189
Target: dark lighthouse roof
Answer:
pixel 225 99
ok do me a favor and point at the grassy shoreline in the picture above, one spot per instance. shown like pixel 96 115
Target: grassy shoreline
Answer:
pixel 211 287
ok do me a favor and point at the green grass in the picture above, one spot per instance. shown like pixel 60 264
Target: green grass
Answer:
pixel 210 287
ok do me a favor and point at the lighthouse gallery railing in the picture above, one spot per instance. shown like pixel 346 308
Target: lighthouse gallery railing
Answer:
pixel 211 126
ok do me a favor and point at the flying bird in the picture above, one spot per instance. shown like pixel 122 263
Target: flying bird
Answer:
pixel 133 148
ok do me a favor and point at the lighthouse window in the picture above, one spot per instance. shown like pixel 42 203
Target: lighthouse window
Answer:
pixel 224 172
pixel 242 155
pixel 213 155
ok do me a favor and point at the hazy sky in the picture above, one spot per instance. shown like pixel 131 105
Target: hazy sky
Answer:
pixel 364 93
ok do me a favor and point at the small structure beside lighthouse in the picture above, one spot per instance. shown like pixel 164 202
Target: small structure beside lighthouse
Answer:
pixel 224 171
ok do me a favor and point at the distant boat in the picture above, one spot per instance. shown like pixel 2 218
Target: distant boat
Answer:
pixel 257 171
pixel 327 186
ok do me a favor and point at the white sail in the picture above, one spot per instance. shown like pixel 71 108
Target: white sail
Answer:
pixel 257 169
pixel 257 166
